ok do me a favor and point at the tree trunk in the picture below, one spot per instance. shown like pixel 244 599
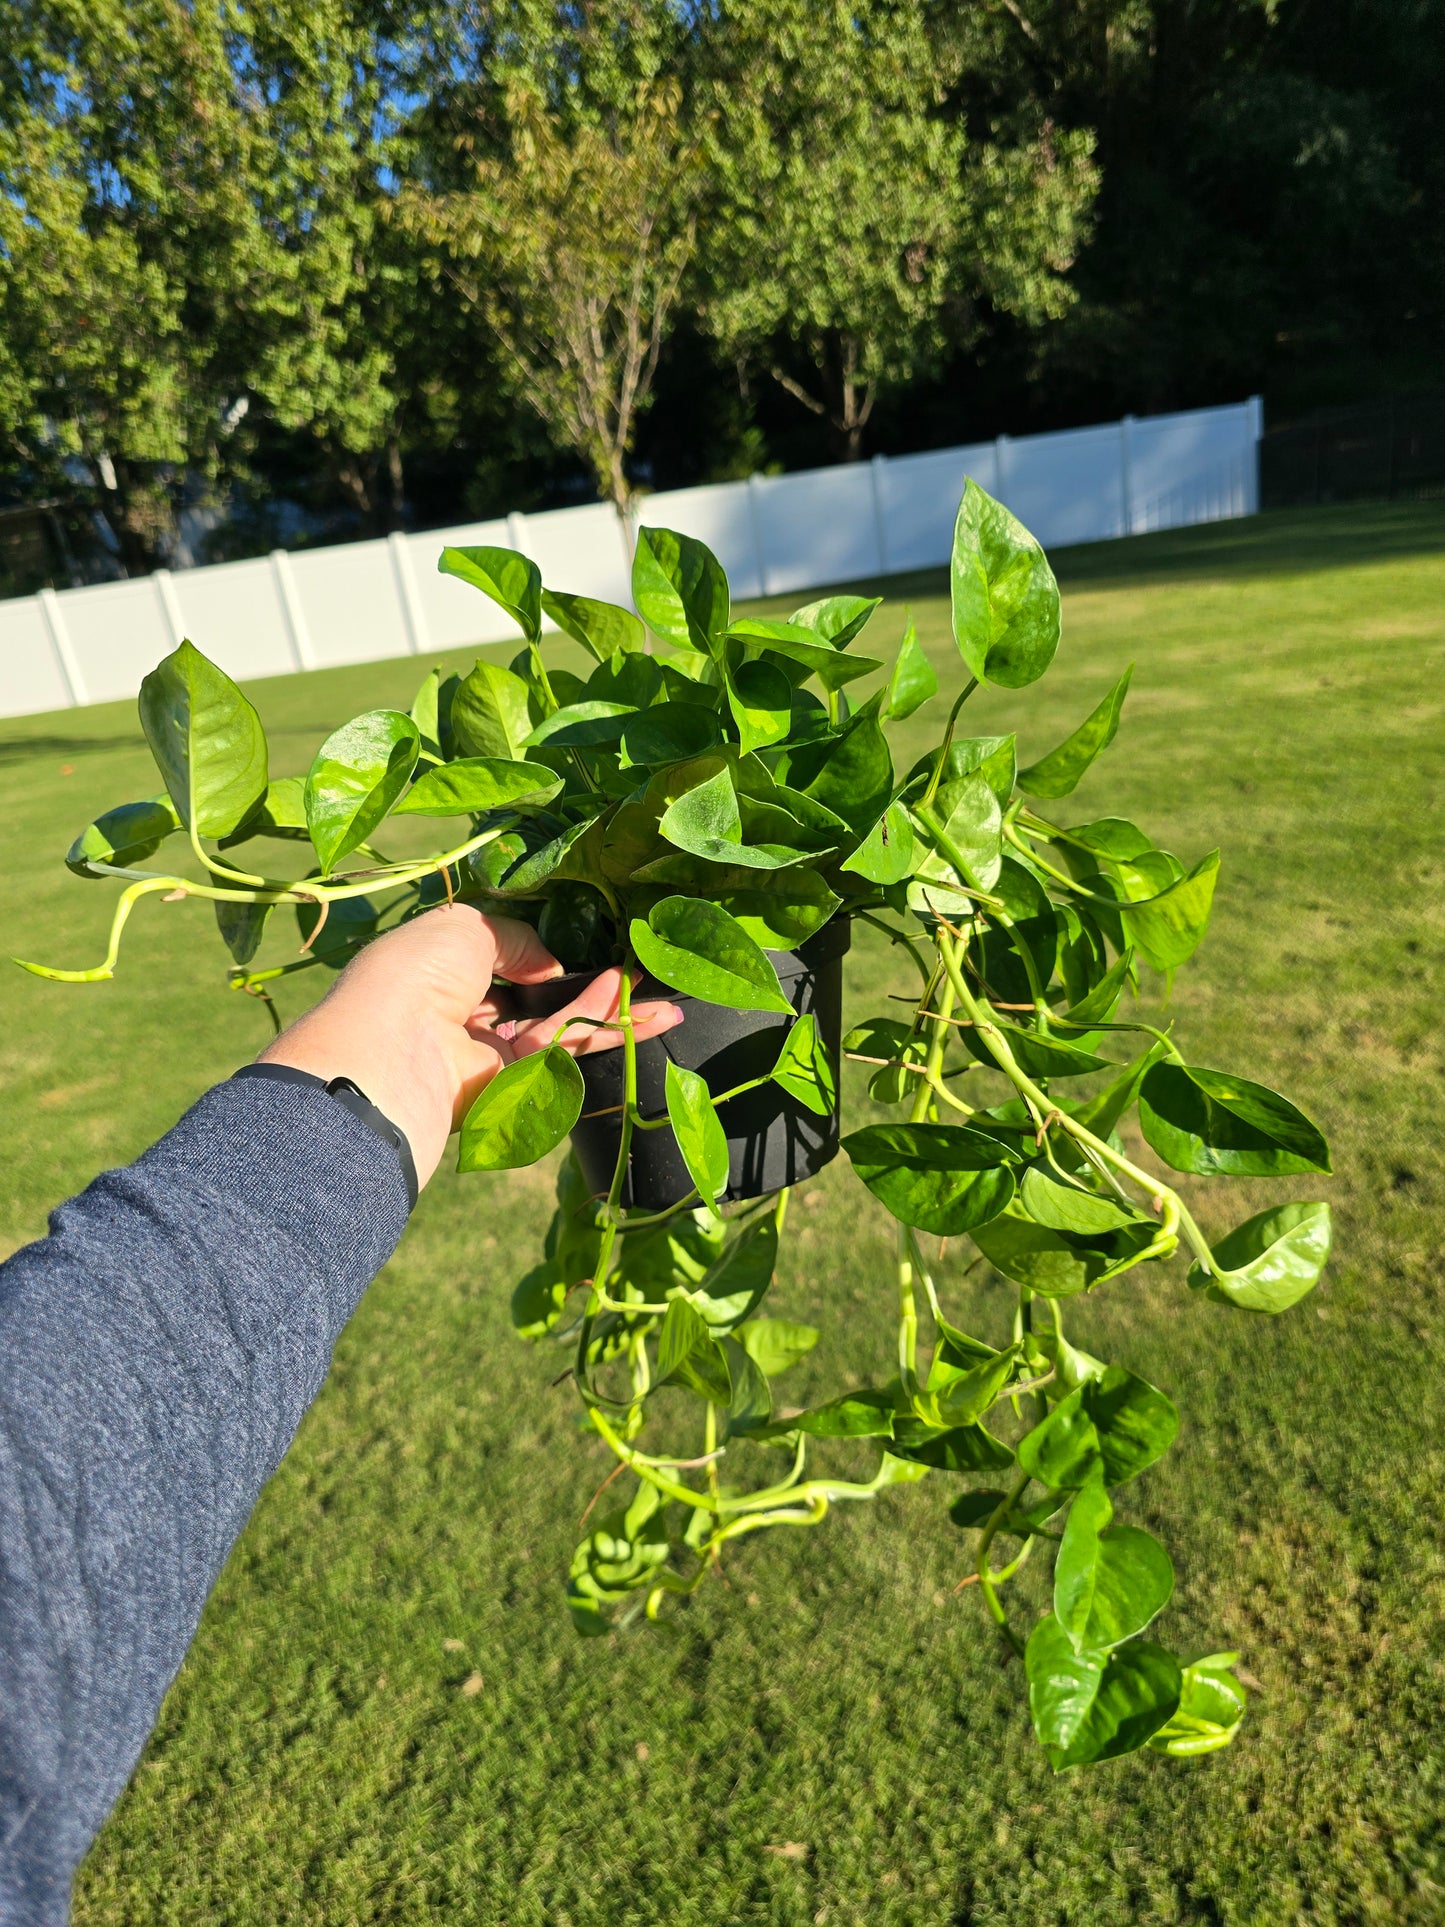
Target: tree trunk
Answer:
pixel 138 512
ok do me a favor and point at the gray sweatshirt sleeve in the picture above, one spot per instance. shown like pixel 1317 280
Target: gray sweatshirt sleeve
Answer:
pixel 157 1352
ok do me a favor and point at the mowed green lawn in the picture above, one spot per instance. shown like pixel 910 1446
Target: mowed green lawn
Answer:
pixel 386 1715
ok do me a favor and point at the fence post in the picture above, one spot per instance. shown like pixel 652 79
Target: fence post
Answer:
pixel 755 518
pixel 1126 471
pixel 413 614
pixel 517 530
pixel 70 670
pixel 297 634
pixel 1000 468
pixel 170 605
pixel 877 466
pixel 1255 417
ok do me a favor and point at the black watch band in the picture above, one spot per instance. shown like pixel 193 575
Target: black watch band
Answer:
pixel 351 1098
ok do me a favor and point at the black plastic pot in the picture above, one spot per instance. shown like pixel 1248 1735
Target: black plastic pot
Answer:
pixel 773 1140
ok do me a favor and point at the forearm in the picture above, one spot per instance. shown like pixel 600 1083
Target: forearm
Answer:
pixel 157 1352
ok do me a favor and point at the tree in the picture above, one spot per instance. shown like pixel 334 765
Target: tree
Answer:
pixel 855 218
pixel 572 244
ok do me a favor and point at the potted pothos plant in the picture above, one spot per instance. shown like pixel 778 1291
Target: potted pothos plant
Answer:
pixel 710 809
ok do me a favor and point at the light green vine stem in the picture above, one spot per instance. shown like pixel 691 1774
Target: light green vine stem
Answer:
pixel 938 768
pixel 1163 1197
pixel 303 890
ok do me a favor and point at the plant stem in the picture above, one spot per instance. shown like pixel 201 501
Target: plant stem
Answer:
pixel 947 745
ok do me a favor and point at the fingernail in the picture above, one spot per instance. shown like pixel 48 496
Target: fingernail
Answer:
pixel 675 1013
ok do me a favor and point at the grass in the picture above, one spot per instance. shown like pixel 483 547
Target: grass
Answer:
pixel 385 1716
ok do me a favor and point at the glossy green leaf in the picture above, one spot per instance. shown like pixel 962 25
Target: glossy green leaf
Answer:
pixel 207 741
pixel 1100 1003
pixel 804 1069
pixel 357 779
pixel 1005 598
pixel 957 1397
pixel 961 1448
pixel 242 926
pixel 1212 1123
pixel 490 714
pixel 1271 1260
pixel 700 1137
pixel 761 700
pixel 973 829
pixel 525 1112
pixel 1112 837
pixel 774 1344
pixel 1117 1423
pixel 831 666
pixel 735 1281
pixel 669 732
pixel 1058 773
pixel 696 947
pixel 1096 1706
pixel 1038 1055
pixel 602 628
pixel 512 581
pixel 476 784
pixel 850 774
pixel 122 837
pixel 706 822
pixel 1109 1581
pixel 1168 929
pixel 280 813
pixel 865 1414
pixel 680 590
pixel 943 1178
pixel 1211 1706
pixel 886 854
pixel 750 1401
pixel 913 679
pixel 782 912
pixel 1051 1263
pixel 1063 1207
pixel 838 619
pixel 581 725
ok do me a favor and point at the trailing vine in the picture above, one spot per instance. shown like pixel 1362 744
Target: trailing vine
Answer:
pixel 694 811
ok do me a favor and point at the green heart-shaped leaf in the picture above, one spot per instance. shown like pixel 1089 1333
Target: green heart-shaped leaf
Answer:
pixel 123 836
pixel 1271 1260
pixel 490 714
pixel 670 732
pixel 1058 773
pixel 207 741
pixel 581 725
pixel 1117 1423
pixel 512 581
pixel 761 700
pixel 525 1112
pixel 913 680
pixel 1214 1124
pixel 358 777
pixel 680 590
pixel 479 783
pixel 942 1178
pixel 804 1068
pixel 1005 598
pixel 774 1344
pixel 1109 1581
pixel 700 1136
pixel 601 627
pixel 1096 1706
pixel 696 947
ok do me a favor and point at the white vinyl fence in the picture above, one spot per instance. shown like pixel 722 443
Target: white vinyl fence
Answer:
pixel 775 535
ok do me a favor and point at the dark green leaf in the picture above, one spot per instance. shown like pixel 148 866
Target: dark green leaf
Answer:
pixel 241 926
pixel 601 627
pixel 779 914
pixel 207 741
pixel 669 733
pixel 1096 1706
pixel 850 774
pixel 526 1110
pixel 696 947
pixel 866 1414
pixel 913 680
pixel 963 1448
pixel 733 1284
pixel 761 700
pixel 476 784
pixel 512 582
pixel 1062 1207
pixel 750 1402
pixel 1058 773
pixel 700 1137
pixel 1214 1124
pixel 943 1178
pixel 1271 1260
pixel 1037 1055
pixel 568 855
pixel 1109 1581
pixel 1005 598
pixel 359 775
pixel 1118 1423
pixel 581 725
pixel 805 1070
pixel 1048 1262
pixel 680 590
pixel 490 715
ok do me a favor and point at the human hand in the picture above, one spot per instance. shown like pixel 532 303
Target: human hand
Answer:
pixel 412 1021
